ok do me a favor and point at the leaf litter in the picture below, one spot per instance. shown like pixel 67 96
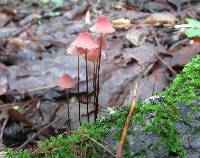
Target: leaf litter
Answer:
pixel 33 56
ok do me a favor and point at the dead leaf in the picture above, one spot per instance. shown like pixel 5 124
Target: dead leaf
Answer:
pixel 161 19
pixel 19 42
pixel 184 55
pixel 122 24
pixel 137 36
pixel 3 79
pixel 17 117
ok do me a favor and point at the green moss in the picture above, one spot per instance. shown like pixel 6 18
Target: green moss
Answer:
pixel 166 114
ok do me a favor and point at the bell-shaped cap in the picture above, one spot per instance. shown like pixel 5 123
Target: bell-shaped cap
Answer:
pixel 102 25
pixel 104 43
pixel 94 55
pixel 66 81
pixel 75 50
pixel 85 41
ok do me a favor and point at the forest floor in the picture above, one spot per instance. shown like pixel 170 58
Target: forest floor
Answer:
pixel 34 37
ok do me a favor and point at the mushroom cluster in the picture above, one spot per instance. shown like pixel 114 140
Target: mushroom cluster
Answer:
pixel 91 50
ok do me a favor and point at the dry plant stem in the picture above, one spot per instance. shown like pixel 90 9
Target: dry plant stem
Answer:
pixel 36 134
pixel 86 73
pixel 79 104
pixel 69 121
pixel 161 60
pixel 98 72
pixel 126 126
pixel 94 87
pixel 96 142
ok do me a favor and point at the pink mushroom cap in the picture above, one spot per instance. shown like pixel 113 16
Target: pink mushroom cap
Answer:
pixel 66 81
pixel 93 55
pixel 75 50
pixel 85 41
pixel 102 25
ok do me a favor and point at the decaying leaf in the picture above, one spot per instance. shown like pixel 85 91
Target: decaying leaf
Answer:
pixel 137 36
pixel 161 19
pixel 122 23
pixel 19 42
pixel 3 79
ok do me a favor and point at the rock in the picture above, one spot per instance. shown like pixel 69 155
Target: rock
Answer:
pixel 181 127
pixel 196 103
pixel 186 140
pixel 184 110
pixel 196 115
pixel 160 152
pixel 195 144
pixel 192 155
pixel 141 142
pixel 195 124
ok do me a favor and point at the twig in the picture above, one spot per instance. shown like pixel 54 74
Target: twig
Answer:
pixel 161 60
pixel 126 126
pixel 35 135
pixel 96 142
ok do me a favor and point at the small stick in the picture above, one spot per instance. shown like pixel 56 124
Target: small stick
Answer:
pixel 96 142
pixel 161 60
pixel 35 135
pixel 126 126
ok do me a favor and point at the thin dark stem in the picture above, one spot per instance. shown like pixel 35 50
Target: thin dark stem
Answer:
pixel 86 72
pixel 94 87
pixel 98 72
pixel 154 86
pixel 69 120
pixel 79 104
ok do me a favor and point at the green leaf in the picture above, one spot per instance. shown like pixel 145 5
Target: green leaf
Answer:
pixel 193 23
pixel 58 3
pixel 45 1
pixel 192 32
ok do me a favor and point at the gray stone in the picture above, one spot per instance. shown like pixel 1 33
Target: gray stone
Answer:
pixel 196 115
pixel 192 155
pixel 195 123
pixel 181 127
pixel 160 152
pixel 150 154
pixel 196 103
pixel 184 109
pixel 186 140
pixel 141 142
pixel 137 144
pixel 196 144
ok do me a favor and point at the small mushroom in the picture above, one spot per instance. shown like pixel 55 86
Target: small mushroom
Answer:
pixel 102 26
pixel 81 45
pixel 66 82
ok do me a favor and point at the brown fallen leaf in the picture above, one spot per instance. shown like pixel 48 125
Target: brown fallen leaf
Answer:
pixel 122 23
pixel 19 42
pixel 184 55
pixel 160 19
pixel 16 116
pixel 3 79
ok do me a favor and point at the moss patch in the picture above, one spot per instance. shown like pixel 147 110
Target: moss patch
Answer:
pixel 185 87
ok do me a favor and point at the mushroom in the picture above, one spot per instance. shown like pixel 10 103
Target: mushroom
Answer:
pixel 81 45
pixel 102 26
pixel 66 82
